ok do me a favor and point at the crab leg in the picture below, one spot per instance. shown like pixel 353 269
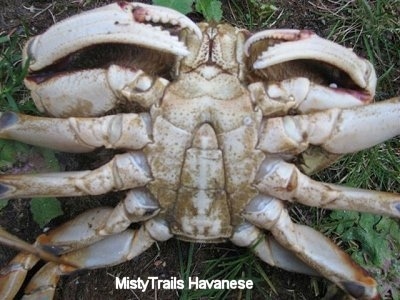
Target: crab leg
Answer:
pixel 311 247
pixel 78 237
pixel 10 240
pixel 110 251
pixel 284 181
pixel 124 171
pixel 139 205
pixel 128 131
pixel 269 250
pixel 75 234
pixel 13 275
pixel 78 233
pixel 338 131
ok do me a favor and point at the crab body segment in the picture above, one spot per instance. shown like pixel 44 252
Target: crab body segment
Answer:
pixel 231 123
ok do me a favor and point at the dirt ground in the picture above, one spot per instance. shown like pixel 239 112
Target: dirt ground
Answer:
pixel 161 261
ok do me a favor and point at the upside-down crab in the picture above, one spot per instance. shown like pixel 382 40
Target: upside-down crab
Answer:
pixel 219 127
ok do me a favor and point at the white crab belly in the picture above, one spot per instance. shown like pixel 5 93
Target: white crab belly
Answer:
pixel 201 196
pixel 203 178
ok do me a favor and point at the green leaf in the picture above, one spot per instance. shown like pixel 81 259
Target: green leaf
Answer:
pixel 4 39
pixel 211 9
pixel 372 243
pixel 45 209
pixel 345 220
pixel 183 6
pixel 7 152
pixel 50 159
pixel 344 215
pixel 3 203
pixel 388 226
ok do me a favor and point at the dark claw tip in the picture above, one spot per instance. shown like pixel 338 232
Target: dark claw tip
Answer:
pixel 3 189
pixel 397 206
pixel 353 288
pixel 53 249
pixel 7 119
pixel 151 211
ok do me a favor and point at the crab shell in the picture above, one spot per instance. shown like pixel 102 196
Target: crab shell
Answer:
pixel 231 123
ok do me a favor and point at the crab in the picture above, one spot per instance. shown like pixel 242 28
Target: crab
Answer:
pixel 219 128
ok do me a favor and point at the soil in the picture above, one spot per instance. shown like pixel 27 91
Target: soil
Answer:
pixel 161 261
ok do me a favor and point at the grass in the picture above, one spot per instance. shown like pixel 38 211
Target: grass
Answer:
pixel 232 265
pixel 373 29
pixel 12 74
pixel 253 14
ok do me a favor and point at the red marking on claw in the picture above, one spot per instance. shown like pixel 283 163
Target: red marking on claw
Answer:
pixel 123 4
pixel 305 34
pixel 360 95
pixel 139 14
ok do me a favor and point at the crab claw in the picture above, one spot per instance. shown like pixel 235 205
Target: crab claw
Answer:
pixel 322 73
pixel 121 22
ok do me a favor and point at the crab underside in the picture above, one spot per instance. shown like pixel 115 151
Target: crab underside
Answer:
pixel 220 128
